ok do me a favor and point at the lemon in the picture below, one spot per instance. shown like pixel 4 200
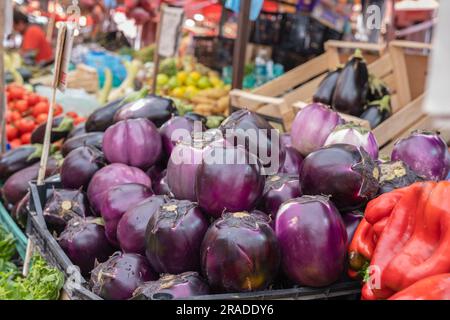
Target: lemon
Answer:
pixel 191 91
pixel 162 79
pixel 203 83
pixel 195 75
pixel 179 92
pixel 182 77
pixel 216 82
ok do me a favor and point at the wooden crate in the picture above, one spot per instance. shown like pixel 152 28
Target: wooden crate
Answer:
pixel 403 68
pixel 275 99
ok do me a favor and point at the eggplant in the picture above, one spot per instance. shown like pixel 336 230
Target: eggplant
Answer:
pixel 20 211
pixel 60 129
pixel 377 89
pixel 377 111
pixel 102 118
pixel 18 159
pixel 395 175
pixel 351 87
pixel 77 130
pixel 94 139
pixel 196 117
pixel 64 205
pixel 325 91
pixel 154 108
pixel 16 187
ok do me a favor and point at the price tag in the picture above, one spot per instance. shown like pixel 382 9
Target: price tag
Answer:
pixel 62 57
pixel 171 23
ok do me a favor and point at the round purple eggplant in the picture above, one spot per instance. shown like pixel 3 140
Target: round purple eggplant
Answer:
pixel 229 179
pixel 395 175
pixel 132 225
pixel 85 243
pixel 293 158
pixel 313 240
pixel 135 142
pixel 175 130
pixel 116 201
pixel 278 189
pixel 346 173
pixel 240 253
pixel 110 176
pixel 120 275
pixel 173 237
pixel 351 222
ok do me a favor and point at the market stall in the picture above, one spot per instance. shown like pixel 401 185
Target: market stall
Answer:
pixel 135 170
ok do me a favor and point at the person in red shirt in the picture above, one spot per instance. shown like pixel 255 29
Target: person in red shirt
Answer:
pixel 34 41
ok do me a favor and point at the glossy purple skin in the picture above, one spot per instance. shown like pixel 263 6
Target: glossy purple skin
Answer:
pixel 357 136
pixel 173 237
pixel 135 142
pixel 344 172
pixel 278 189
pixel 17 185
pixel 425 153
pixel 120 275
pixel 132 225
pixel 240 253
pixel 351 222
pixel 293 158
pixel 111 176
pixel 94 139
pixel 313 240
pixel 77 130
pixel 84 242
pixel 235 186
pixel 79 167
pixel 182 169
pixel 117 201
pixel 158 175
pixel 167 130
pixel 184 285
pixel 312 126
pixel 233 129
pixel 63 206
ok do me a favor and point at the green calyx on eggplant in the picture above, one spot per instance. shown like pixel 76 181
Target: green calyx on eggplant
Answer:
pixel 60 129
pixel 377 89
pixel 325 91
pixel 377 111
pixel 351 87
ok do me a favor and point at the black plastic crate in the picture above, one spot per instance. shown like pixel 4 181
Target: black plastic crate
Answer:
pixel 266 30
pixel 214 52
pixel 52 252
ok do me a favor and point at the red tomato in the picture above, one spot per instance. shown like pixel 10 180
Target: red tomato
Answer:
pixel 12 105
pixel 22 106
pixel 11 132
pixel 25 125
pixel 15 143
pixel 72 114
pixel 15 116
pixel 58 110
pixel 43 99
pixel 16 93
pixel 40 107
pixel 79 120
pixel 41 118
pixel 33 98
pixel 26 138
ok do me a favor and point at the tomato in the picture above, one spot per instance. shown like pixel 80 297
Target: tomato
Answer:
pixel 58 110
pixel 16 92
pixel 25 125
pixel 22 106
pixel 72 114
pixel 26 138
pixel 15 116
pixel 79 120
pixel 15 143
pixel 11 132
pixel 33 98
pixel 43 99
pixel 41 118
pixel 39 108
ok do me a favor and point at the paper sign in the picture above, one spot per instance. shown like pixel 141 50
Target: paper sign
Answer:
pixel 171 23
pixel 62 57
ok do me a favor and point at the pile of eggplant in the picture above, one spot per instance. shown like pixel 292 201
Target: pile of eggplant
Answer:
pixel 153 205
pixel 352 90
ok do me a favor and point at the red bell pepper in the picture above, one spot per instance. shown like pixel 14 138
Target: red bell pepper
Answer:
pixel 436 287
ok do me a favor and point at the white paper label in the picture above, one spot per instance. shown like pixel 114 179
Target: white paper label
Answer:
pixel 171 23
pixel 65 59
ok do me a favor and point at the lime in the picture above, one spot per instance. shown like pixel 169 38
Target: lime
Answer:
pixel 204 83
pixel 162 79
pixel 173 82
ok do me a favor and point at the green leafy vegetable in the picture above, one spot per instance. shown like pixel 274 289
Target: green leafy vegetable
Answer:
pixel 7 244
